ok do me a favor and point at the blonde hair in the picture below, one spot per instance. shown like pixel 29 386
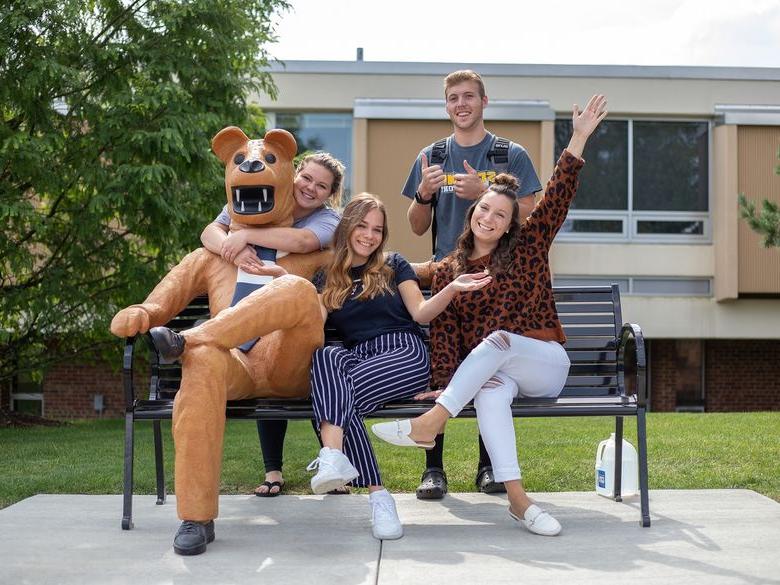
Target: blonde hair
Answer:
pixel 457 77
pixel 336 168
pixel 377 275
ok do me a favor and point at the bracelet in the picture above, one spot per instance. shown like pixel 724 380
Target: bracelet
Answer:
pixel 418 198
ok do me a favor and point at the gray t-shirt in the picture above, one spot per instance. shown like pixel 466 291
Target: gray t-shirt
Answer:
pixel 451 209
pixel 322 223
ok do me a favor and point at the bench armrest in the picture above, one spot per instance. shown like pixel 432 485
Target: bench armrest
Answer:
pixel 632 363
pixel 128 359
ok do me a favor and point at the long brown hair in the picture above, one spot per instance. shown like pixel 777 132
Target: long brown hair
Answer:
pixel 507 185
pixel 377 276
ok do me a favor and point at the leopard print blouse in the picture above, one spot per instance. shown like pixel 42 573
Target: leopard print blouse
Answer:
pixel 518 300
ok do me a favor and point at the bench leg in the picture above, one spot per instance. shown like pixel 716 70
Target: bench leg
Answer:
pixel 618 472
pixel 316 431
pixel 158 462
pixel 127 494
pixel 641 431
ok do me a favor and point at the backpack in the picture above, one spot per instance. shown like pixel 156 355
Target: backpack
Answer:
pixel 498 155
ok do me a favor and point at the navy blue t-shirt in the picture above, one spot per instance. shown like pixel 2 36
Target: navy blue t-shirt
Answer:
pixel 360 320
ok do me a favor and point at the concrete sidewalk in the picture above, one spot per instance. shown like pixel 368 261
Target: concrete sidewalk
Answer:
pixel 710 537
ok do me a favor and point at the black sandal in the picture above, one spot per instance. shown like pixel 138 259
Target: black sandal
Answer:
pixel 433 484
pixel 270 485
pixel 486 483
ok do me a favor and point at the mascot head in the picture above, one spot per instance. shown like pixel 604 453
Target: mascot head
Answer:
pixel 258 175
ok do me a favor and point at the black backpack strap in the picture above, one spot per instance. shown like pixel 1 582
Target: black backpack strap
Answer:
pixel 499 154
pixel 439 152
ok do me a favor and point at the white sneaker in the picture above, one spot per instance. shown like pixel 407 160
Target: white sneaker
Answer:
pixel 385 524
pixel 538 521
pixel 334 471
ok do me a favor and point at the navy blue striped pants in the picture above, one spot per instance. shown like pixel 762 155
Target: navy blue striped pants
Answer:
pixel 349 384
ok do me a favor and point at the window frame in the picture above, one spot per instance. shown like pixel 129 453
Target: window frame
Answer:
pixel 630 217
pixel 28 396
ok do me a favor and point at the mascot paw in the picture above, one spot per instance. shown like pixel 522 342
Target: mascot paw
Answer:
pixel 130 321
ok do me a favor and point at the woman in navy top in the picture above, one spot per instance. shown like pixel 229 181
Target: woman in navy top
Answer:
pixel 374 301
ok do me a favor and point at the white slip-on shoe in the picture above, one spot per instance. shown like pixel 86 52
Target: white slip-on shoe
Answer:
pixel 538 521
pixel 385 524
pixel 397 433
pixel 334 470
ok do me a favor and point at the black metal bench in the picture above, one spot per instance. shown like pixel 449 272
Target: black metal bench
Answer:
pixel 607 378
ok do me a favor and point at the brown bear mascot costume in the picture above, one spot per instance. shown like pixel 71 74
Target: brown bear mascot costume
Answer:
pixel 285 314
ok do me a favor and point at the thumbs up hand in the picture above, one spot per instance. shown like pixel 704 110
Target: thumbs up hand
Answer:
pixel 432 178
pixel 468 185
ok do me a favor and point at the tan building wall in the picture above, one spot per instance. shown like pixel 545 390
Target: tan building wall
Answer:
pixel 703 318
pixel 725 215
pixel 581 259
pixel 759 267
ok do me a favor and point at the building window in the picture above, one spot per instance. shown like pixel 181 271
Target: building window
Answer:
pixel 645 181
pixel 26 394
pixel 331 132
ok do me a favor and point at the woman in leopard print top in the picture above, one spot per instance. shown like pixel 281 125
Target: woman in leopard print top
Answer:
pixel 503 340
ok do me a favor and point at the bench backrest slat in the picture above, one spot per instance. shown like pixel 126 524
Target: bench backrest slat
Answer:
pixel 590 356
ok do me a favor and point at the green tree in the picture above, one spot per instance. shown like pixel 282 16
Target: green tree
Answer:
pixel 106 175
pixel 765 223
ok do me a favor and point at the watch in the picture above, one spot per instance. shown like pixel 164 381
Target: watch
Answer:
pixel 420 200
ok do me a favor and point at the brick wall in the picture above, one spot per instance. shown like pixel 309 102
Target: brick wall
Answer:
pixel 739 375
pixel 663 394
pixel 743 375
pixel 68 390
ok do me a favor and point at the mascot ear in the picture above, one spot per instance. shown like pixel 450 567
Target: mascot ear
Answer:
pixel 284 140
pixel 227 141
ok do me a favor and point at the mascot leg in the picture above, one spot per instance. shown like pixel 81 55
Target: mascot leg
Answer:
pixel 209 376
pixel 286 314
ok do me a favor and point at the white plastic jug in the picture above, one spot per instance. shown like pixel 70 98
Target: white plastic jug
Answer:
pixel 605 469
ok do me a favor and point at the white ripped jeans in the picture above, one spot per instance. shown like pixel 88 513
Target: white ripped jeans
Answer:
pixel 502 366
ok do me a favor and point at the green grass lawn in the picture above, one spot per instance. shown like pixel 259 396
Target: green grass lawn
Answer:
pixel 734 450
